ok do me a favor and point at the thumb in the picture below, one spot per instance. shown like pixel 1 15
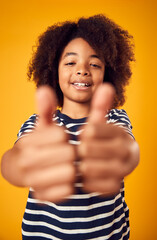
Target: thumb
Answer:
pixel 46 105
pixel 102 101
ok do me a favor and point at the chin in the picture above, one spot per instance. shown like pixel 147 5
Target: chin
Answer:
pixel 83 101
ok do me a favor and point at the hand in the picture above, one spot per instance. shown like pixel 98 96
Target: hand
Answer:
pixel 45 158
pixel 107 153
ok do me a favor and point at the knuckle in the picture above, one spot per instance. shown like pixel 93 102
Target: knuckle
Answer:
pixel 24 140
pixel 71 153
pixel 86 168
pixel 27 180
pixel 115 186
pixel 84 149
pixel 24 167
pixel 121 148
pixel 26 157
pixel 117 168
pixel 22 164
pixel 71 173
pixel 62 133
pixel 69 190
pixel 89 187
pixel 118 142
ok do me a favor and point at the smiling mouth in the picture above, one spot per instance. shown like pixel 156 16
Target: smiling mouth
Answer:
pixel 81 84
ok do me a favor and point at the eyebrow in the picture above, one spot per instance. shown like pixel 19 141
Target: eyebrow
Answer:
pixel 76 54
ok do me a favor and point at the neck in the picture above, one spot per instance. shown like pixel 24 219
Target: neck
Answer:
pixel 76 110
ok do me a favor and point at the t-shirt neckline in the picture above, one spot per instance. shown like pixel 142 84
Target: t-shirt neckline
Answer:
pixel 69 119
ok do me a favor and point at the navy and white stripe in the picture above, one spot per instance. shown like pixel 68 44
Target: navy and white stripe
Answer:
pixel 84 215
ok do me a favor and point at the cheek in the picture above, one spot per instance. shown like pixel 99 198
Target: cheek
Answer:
pixel 103 75
pixel 100 78
pixel 63 74
pixel 99 75
pixel 63 79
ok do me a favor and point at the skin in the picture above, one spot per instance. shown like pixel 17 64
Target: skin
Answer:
pixel 107 153
pixel 79 63
pixel 36 160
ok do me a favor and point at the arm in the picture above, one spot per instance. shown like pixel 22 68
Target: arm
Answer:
pixel 107 152
pixel 9 162
pixel 36 160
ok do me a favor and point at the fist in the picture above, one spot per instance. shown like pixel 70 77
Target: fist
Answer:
pixel 107 152
pixel 46 159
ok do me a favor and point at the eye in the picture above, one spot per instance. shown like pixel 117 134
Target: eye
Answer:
pixel 95 65
pixel 70 63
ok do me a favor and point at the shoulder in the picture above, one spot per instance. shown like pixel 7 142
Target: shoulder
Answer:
pixel 118 115
pixel 28 125
pixel 120 118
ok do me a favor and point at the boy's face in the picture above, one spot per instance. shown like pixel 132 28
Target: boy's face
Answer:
pixel 80 71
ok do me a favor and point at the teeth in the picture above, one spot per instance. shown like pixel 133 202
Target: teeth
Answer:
pixel 81 84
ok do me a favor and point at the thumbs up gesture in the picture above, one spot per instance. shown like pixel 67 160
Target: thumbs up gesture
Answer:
pixel 107 153
pixel 45 156
pixel 44 160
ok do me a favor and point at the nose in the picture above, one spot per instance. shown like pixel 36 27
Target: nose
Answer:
pixel 82 73
pixel 82 70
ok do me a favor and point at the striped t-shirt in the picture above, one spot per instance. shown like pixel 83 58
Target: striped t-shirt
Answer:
pixel 85 215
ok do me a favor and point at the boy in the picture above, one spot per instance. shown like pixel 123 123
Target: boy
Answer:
pixel 75 163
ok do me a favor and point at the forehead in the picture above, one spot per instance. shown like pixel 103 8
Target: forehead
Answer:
pixel 79 45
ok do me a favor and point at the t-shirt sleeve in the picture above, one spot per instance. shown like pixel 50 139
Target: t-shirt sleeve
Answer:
pixel 120 118
pixel 28 126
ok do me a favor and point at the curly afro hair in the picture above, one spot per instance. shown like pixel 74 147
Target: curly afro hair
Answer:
pixel 109 40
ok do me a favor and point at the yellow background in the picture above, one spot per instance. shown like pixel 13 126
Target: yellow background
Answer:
pixel 21 22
